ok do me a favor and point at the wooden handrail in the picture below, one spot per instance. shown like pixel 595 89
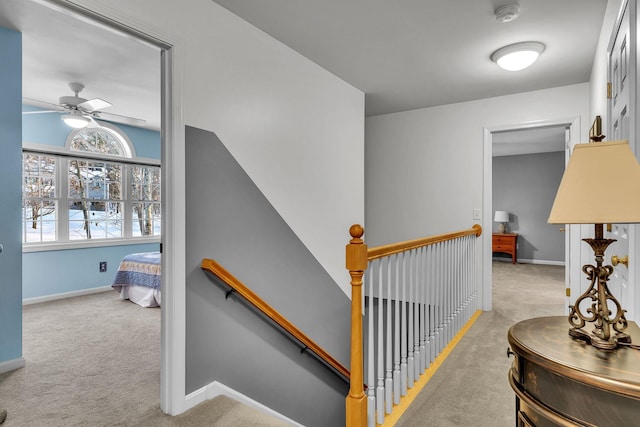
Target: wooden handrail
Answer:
pixel 235 284
pixel 394 248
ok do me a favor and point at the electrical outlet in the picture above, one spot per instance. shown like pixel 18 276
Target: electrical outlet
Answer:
pixel 103 266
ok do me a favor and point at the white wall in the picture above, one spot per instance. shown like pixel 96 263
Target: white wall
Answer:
pixel 424 168
pixel 296 129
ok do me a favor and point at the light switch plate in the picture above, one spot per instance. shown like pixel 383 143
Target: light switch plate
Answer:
pixel 476 214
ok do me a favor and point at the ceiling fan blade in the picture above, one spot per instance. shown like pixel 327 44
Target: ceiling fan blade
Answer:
pixel 41 111
pixel 117 118
pixel 42 104
pixel 94 104
pixel 92 123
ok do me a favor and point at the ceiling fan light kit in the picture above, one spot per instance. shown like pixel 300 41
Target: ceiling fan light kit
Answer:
pixel 76 120
pixel 518 56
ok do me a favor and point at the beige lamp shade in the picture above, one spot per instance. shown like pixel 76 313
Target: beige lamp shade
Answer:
pixel 601 185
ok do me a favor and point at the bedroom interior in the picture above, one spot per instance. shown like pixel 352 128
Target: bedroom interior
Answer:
pixel 65 271
pixel 527 164
pixel 199 118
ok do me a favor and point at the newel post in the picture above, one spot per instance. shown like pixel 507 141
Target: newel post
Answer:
pixel 356 262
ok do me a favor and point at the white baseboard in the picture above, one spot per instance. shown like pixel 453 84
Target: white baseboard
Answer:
pixel 216 389
pixel 12 365
pixel 531 261
pixel 53 297
pixel 540 261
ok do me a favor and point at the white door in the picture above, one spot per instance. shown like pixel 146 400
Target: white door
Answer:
pixel 621 75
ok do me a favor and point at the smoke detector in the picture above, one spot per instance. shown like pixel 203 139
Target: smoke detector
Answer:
pixel 507 13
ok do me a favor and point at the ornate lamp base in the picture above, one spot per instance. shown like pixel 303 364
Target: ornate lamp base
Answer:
pixel 608 326
pixel 610 344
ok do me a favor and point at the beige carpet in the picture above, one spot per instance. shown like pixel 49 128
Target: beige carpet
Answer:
pixel 471 387
pixel 94 361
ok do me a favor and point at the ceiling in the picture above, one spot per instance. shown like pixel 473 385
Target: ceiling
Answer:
pixel 402 54
pixel 59 48
pixel 420 53
pixel 527 141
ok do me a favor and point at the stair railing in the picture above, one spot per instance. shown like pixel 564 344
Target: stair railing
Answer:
pixel 417 296
pixel 274 316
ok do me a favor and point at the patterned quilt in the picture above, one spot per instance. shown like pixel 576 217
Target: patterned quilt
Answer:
pixel 142 269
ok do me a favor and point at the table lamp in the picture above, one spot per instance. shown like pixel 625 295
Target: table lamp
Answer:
pixel 501 217
pixel 601 185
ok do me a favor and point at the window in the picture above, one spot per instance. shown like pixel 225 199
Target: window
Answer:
pixel 96 192
pixel 145 194
pixel 39 197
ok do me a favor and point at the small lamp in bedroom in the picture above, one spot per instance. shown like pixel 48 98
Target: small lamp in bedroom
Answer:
pixel 502 218
pixel 601 185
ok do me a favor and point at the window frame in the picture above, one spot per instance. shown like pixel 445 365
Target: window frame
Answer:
pixel 66 152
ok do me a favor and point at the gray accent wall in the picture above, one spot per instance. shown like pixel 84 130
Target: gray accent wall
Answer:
pixel 525 186
pixel 229 220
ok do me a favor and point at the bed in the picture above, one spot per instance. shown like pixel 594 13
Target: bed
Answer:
pixel 138 279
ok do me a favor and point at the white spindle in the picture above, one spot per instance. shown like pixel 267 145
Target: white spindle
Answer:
pixel 396 337
pixel 429 305
pixel 442 297
pixel 436 301
pixel 423 311
pixel 403 329
pixel 412 285
pixel 449 284
pixel 380 350
pixel 459 267
pixel 388 386
pixel 432 302
pixel 445 296
pixel 371 398
pixel 416 317
pixel 465 280
pixel 465 287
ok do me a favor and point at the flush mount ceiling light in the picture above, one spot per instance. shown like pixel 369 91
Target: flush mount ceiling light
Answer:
pixel 75 119
pixel 517 56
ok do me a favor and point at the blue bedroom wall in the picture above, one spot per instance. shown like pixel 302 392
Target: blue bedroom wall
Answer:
pixel 48 129
pixel 63 271
pixel 47 273
pixel 10 197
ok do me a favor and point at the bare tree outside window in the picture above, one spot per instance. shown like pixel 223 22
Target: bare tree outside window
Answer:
pixel 145 188
pixel 39 195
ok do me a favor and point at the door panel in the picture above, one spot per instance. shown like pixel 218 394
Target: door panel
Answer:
pixel 620 114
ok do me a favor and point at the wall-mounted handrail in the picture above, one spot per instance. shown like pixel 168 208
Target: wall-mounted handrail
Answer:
pixel 271 313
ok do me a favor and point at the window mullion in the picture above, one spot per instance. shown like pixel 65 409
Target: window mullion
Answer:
pixel 62 175
pixel 127 205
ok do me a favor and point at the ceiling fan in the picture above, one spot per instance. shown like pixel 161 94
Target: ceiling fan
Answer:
pixel 80 111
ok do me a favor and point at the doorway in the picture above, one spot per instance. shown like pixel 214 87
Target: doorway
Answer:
pixel 169 104
pixel 521 139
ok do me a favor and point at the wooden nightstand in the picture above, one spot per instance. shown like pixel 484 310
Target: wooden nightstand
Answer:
pixel 506 243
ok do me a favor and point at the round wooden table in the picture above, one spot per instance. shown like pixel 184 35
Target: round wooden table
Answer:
pixel 559 381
